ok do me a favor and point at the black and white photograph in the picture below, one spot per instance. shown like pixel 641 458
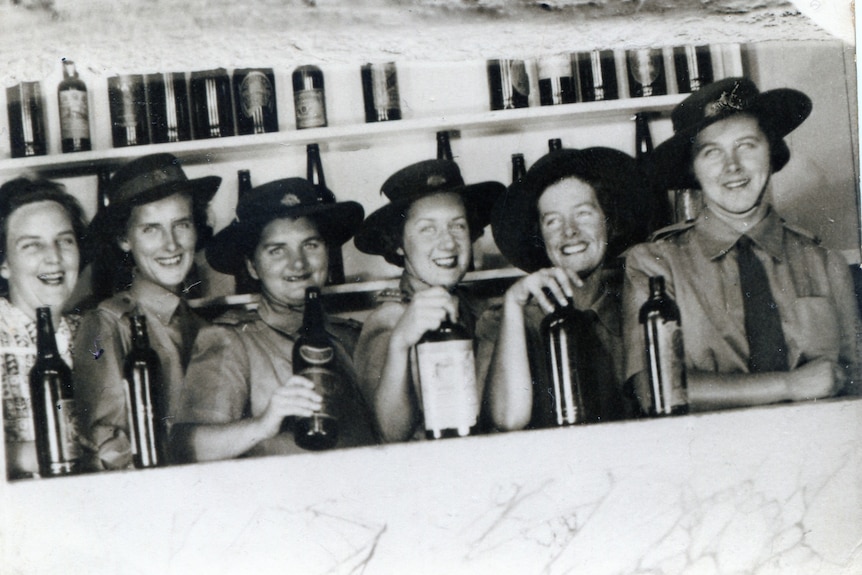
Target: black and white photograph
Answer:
pixel 445 286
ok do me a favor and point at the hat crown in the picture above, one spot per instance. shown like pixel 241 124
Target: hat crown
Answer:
pixel 714 102
pixel 143 174
pixel 273 197
pixel 422 178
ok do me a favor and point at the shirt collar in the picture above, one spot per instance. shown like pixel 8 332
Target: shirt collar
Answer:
pixel 155 299
pixel 286 320
pixel 718 238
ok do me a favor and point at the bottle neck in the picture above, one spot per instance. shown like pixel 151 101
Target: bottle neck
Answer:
pixel 313 319
pixel 140 337
pixel 46 343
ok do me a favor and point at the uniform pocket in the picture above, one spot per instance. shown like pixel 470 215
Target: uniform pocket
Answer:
pixel 817 331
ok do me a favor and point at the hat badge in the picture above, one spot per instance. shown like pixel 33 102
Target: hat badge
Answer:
pixel 727 101
pixel 290 200
pixel 435 181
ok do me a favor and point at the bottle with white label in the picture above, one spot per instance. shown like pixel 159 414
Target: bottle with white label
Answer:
pixel 74 111
pixel 446 368
pixel 309 97
pixel 53 404
pixel 254 100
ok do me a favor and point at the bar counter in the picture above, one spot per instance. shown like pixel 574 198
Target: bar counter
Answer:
pixel 761 490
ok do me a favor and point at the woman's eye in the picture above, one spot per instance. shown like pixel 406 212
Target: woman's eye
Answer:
pixel 551 221
pixel 276 251
pixel 184 225
pixel 312 246
pixel 30 246
pixel 459 227
pixel 427 230
pixel 148 229
pixel 68 242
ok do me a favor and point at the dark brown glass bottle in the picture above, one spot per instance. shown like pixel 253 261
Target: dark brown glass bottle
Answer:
pixel 314 358
pixel 255 101
pixel 555 144
pixel 519 168
pixel 26 120
pixel 147 417
pixel 509 84
pixel 212 113
pixel 566 355
pixel 314 174
pixel 446 367
pixel 693 67
pixel 127 100
pixel 665 354
pixel 244 282
pixel 103 178
pixel 309 97
pixel 643 139
pixel 380 92
pixel 168 107
pixel 74 111
pixel 444 148
pixel 53 404
pixel 597 75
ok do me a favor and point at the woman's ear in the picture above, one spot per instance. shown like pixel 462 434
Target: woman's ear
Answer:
pixel 124 244
pixel 249 265
pixel 4 270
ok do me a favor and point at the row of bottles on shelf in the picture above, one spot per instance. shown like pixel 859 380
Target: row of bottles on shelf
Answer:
pixel 167 107
pixel 595 75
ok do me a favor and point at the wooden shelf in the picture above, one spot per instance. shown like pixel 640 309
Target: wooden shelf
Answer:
pixel 353 136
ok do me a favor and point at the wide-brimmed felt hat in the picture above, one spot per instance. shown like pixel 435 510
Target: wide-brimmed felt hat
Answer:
pixel 617 181
pixel 380 230
pixel 288 198
pixel 778 112
pixel 144 180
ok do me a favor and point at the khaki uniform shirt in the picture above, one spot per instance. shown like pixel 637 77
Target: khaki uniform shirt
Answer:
pixel 811 286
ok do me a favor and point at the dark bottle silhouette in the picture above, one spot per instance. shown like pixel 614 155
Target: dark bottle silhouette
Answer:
pixel 556 81
pixel 314 174
pixel 446 369
pixel 555 144
pixel 519 168
pixel 444 148
pixel 597 75
pixel 693 67
pixel 168 107
pixel 567 356
pixel 509 84
pixel 309 97
pixel 147 413
pixel 212 113
pixel 53 404
pixel 244 283
pixel 314 358
pixel 255 101
pixel 664 350
pixel 380 92
pixel 74 109
pixel 26 120
pixel 128 105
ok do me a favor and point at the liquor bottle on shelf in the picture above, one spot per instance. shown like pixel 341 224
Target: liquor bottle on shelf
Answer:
pixel 244 283
pixel 380 92
pixel 555 144
pixel 74 111
pixel 664 351
pixel 212 113
pixel 26 120
pixel 693 67
pixel 556 82
pixel 141 370
pixel 563 332
pixel 168 107
pixel 309 97
pixel 646 71
pixel 314 174
pixel 519 168
pixel 597 75
pixel 444 148
pixel 314 358
pixel 446 370
pixel 128 110
pixel 255 101
pixel 53 404
pixel 509 84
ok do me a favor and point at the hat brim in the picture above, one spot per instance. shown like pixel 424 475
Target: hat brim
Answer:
pixel 202 190
pixel 779 111
pixel 478 198
pixel 514 220
pixel 337 223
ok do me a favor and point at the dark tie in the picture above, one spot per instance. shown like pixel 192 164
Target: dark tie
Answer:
pixel 766 343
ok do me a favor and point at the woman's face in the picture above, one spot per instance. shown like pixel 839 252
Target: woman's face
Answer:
pixel 573 226
pixel 42 257
pixel 437 248
pixel 161 237
pixel 732 163
pixel 290 256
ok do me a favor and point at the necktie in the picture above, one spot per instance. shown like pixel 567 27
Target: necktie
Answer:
pixel 766 343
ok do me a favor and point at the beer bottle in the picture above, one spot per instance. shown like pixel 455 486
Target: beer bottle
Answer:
pixel 314 358
pixel 519 168
pixel 53 405
pixel 74 112
pixel 562 331
pixel 147 428
pixel 446 370
pixel 314 174
pixel 444 149
pixel 555 144
pixel 664 351
pixel 244 283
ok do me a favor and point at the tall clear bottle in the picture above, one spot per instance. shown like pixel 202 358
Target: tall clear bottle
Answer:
pixel 53 404
pixel 74 111
pixel 147 417
pixel 562 331
pixel 446 369
pixel 314 358
pixel 309 97
pixel 665 353
pixel 314 174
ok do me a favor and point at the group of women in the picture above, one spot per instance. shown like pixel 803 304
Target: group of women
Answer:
pixel 229 387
